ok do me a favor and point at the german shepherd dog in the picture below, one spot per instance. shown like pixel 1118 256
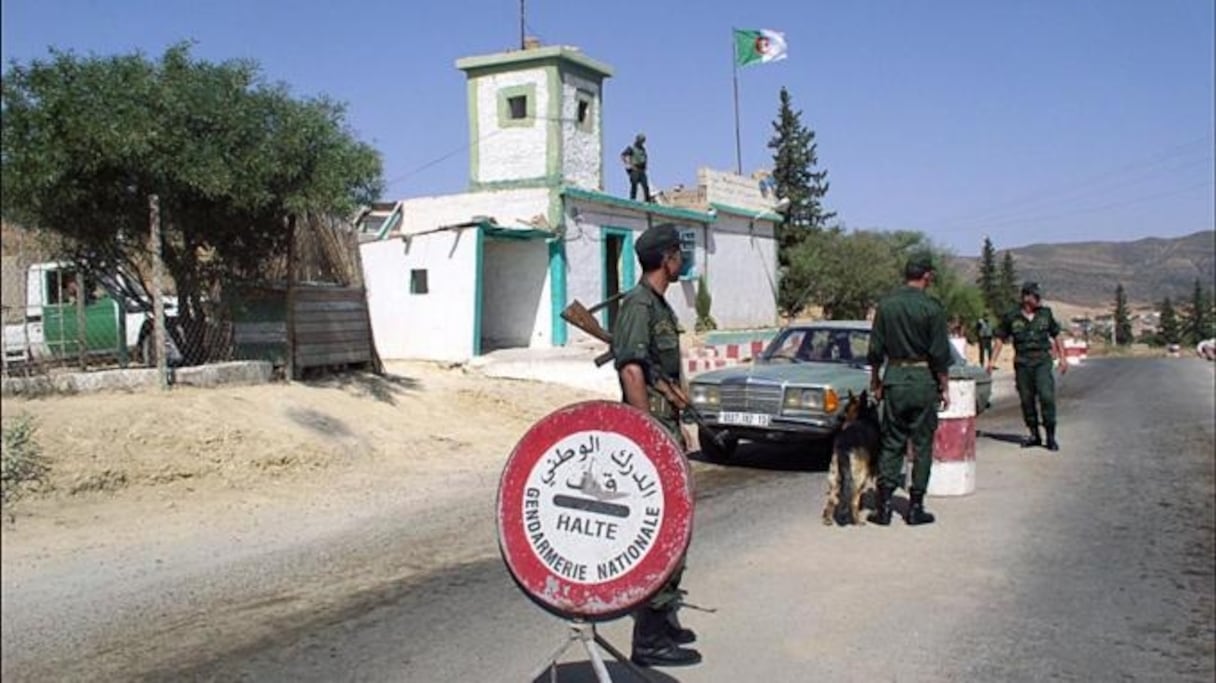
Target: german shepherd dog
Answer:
pixel 854 467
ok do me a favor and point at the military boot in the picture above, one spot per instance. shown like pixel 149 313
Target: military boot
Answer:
pixel 882 512
pixel 1052 444
pixel 651 644
pixel 1035 439
pixel 916 510
pixel 678 634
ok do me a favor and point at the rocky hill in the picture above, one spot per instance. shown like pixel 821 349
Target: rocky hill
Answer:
pixel 1086 273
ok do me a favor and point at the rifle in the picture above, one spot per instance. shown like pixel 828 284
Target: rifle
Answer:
pixel 582 318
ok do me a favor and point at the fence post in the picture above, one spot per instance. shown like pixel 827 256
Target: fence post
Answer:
pixel 158 304
pixel 291 298
pixel 82 341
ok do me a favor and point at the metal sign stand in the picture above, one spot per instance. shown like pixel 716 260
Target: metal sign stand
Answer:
pixel 584 632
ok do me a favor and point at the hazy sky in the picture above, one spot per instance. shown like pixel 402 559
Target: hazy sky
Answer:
pixel 1029 121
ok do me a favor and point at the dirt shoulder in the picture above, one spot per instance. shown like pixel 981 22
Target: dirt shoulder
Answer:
pixel 124 456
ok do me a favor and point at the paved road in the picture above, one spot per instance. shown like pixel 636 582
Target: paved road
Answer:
pixel 1092 564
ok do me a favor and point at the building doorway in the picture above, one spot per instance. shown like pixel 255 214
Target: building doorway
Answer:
pixel 618 272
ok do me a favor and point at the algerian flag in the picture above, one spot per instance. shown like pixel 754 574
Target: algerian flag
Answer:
pixel 758 46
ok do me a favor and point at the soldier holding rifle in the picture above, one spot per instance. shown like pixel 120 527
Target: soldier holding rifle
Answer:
pixel 646 346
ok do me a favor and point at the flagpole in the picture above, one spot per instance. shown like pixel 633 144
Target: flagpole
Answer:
pixel 734 62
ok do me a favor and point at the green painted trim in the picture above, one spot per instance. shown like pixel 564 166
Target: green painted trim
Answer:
pixel 521 184
pixel 478 279
pixel 498 232
pixel 557 291
pixel 599 122
pixel 515 59
pixel 528 91
pixel 555 142
pixel 747 213
pixel 474 134
pixel 389 222
pixel 621 202
pixel 628 257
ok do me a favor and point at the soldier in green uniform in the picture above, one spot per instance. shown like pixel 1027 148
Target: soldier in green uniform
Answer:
pixel 634 157
pixel 909 336
pixel 1035 334
pixel 646 344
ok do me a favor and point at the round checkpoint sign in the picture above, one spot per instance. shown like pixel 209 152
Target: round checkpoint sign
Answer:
pixel 594 510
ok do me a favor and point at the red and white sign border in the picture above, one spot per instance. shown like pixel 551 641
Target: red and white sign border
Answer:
pixel 632 588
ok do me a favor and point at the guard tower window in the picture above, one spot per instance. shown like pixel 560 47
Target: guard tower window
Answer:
pixel 584 113
pixel 518 107
pixel 418 281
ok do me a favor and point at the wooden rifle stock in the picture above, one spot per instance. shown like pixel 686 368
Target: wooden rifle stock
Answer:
pixel 579 316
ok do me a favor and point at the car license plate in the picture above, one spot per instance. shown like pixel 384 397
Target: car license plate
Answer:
pixel 744 419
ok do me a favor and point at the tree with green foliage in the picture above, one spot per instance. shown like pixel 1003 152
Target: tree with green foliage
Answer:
pixel 797 181
pixel 1197 325
pixel 987 279
pixel 1169 329
pixel 234 162
pixel 1007 286
pixel 1123 322
pixel 704 302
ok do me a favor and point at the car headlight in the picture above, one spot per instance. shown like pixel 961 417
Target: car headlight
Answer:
pixel 705 395
pixel 824 400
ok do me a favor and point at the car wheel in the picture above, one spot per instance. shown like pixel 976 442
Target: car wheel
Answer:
pixel 712 450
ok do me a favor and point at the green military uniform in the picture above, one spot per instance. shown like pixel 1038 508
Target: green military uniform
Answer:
pixel 647 333
pixel 909 333
pixel 1032 363
pixel 983 331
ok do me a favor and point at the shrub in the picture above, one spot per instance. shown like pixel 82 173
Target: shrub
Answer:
pixel 21 461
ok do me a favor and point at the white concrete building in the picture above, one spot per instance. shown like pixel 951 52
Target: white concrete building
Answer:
pixel 452 277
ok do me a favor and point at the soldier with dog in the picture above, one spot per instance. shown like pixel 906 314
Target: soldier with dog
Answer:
pixel 909 338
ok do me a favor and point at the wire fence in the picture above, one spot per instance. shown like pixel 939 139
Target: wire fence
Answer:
pixel 62 317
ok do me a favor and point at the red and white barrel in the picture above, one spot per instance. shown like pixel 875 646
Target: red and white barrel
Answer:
pixel 1075 351
pixel 953 471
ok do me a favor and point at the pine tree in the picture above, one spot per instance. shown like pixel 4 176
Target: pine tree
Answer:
pixel 1169 329
pixel 987 279
pixel 1198 323
pixel 1007 285
pixel 1123 322
pixel 794 162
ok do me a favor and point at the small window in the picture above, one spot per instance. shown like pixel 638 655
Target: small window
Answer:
pixel 418 281
pixel 688 245
pixel 585 112
pixel 518 107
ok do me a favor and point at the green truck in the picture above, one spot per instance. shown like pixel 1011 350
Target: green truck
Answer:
pixel 111 324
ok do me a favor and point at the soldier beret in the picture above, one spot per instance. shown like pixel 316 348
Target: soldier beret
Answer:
pixel 1031 288
pixel 921 260
pixel 657 241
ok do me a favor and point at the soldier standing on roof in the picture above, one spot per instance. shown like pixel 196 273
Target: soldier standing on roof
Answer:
pixel 634 157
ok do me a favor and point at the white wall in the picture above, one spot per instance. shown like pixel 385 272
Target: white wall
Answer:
pixel 742 272
pixel 512 153
pixel 585 259
pixel 580 148
pixel 437 325
pixel 508 207
pixel 516 306
pixel 739 262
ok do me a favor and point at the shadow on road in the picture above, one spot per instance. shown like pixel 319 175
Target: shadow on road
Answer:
pixel 778 457
pixel 581 672
pixel 998 436
pixel 384 388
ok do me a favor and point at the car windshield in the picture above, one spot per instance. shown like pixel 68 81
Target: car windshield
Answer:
pixel 819 345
